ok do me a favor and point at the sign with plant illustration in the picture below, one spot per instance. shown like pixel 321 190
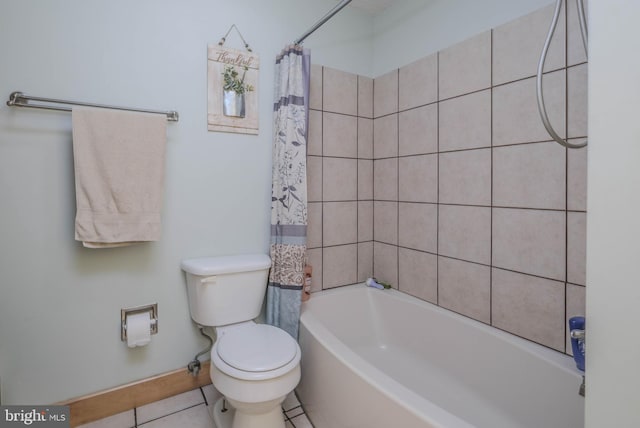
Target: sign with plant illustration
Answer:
pixel 232 90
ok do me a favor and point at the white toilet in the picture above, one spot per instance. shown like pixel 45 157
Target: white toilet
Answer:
pixel 255 366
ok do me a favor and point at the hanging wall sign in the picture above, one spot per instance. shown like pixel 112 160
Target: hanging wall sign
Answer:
pixel 232 89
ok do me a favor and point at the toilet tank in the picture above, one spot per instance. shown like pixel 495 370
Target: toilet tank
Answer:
pixel 226 289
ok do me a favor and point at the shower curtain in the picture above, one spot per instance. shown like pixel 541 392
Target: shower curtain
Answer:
pixel 289 188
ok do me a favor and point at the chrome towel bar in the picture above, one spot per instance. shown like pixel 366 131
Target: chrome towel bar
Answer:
pixel 18 99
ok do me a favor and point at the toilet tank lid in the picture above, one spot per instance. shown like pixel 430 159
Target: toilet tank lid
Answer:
pixel 226 264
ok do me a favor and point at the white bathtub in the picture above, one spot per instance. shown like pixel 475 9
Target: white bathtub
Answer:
pixel 373 358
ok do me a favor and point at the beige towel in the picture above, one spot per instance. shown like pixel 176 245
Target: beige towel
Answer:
pixel 119 172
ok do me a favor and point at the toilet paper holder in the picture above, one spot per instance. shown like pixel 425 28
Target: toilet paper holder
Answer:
pixel 153 314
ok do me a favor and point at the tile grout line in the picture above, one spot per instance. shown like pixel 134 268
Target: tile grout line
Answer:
pixel 456 204
pixel 438 178
pixel 491 189
pixel 364 160
pixel 357 177
pixel 322 177
pixel 169 414
pixel 397 278
pixel 566 174
pixel 206 402
pixel 373 181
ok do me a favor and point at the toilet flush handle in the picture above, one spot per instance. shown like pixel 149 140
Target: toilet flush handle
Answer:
pixel 208 280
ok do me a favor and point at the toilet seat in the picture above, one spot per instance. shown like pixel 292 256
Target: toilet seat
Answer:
pixel 253 351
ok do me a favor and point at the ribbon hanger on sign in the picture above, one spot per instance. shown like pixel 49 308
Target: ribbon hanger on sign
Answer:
pixel 224 39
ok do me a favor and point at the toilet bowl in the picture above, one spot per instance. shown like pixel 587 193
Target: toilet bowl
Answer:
pixel 254 366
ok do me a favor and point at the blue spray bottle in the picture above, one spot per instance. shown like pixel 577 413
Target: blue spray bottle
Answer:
pixel 576 330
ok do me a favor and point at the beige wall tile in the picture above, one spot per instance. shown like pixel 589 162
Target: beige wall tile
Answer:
pixel 466 66
pixel 530 241
pixel 515 110
pixel 365 96
pixel 577 177
pixel 365 221
pixel 418 178
pixel 518 43
pixel 418 131
pixel 340 135
pixel 385 263
pixel 365 261
pixel 530 176
pixel 465 288
pixel 365 138
pixel 417 274
pixel 339 223
pixel 385 179
pixel 314 224
pixel 315 87
pixel 314 258
pixel 528 306
pixel 314 178
pixel 339 179
pixel 385 137
pixel 385 94
pixel 577 248
pixel 575 307
pixel 314 143
pixel 340 265
pixel 465 122
pixel 464 232
pixel 418 83
pixel 385 222
pixel 340 91
pixel 577 101
pixel 365 179
pixel 418 226
pixel 465 177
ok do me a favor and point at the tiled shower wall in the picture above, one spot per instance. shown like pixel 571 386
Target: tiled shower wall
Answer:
pixel 440 178
pixel 340 178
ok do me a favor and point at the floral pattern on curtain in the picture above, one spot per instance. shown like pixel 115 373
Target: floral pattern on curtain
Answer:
pixel 289 189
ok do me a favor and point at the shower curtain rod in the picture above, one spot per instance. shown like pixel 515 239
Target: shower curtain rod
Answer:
pixel 322 20
pixel 18 99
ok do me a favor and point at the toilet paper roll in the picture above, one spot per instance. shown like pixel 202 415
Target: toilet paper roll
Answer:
pixel 138 329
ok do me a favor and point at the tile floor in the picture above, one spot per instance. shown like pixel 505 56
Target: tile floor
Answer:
pixel 190 409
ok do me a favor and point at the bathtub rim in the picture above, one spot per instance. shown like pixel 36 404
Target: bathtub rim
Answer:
pixel 391 388
pixel 550 355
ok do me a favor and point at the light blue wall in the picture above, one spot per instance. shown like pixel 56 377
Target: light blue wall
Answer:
pixel 60 303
